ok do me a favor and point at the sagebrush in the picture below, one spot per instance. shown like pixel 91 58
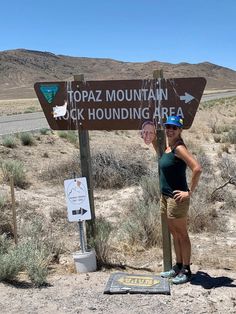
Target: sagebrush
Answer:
pixel 14 168
pixel 33 253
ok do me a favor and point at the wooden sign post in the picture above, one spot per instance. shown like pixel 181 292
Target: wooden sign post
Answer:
pixel 13 209
pixel 86 169
pixel 161 146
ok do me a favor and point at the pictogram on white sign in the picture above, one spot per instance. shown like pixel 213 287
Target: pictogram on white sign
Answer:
pixel 77 199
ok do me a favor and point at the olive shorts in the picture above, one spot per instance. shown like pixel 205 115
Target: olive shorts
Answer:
pixel 172 208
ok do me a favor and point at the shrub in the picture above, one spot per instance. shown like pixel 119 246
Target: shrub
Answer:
pixel 38 231
pixel 219 129
pixel 27 139
pixel 227 166
pixel 114 171
pixel 150 187
pixel 202 214
pixel 62 134
pixel 213 124
pixel 30 110
pixel 33 253
pixel 142 225
pixel 57 214
pixel 44 131
pixel 10 265
pixel 11 262
pixel 71 136
pixel 2 201
pixel 229 201
pixel 37 261
pixel 9 141
pixel 207 169
pixel 230 137
pixel 108 170
pixel 38 234
pixel 16 169
pixel 203 220
pixel 6 227
pixel 101 242
pixel 4 244
pixel 27 256
pixel 61 171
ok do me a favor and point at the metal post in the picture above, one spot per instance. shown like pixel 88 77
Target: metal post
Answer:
pixel 81 236
pixel 161 145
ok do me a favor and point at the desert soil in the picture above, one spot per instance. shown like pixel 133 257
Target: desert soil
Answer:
pixel 212 291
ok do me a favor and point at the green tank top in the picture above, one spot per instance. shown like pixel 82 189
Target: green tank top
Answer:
pixel 172 174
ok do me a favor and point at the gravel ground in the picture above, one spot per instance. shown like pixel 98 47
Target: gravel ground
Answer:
pixel 211 291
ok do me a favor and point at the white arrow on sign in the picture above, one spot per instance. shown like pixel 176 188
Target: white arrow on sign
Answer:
pixel 187 98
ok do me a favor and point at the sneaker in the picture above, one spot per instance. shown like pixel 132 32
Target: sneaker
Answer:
pixel 182 277
pixel 170 273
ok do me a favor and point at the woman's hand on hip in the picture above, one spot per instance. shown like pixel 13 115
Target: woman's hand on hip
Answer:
pixel 180 196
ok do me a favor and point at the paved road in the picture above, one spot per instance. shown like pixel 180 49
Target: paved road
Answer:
pixel 22 123
pixel 36 121
pixel 213 96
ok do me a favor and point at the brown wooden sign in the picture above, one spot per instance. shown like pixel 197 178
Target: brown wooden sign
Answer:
pixel 118 105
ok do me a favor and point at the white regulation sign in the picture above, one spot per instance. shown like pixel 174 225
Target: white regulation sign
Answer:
pixel 77 199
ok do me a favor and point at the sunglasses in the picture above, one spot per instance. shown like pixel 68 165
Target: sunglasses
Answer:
pixel 171 127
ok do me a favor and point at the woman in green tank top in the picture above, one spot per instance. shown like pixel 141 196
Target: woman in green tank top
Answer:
pixel 175 196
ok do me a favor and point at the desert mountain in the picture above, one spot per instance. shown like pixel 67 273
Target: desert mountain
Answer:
pixel 20 69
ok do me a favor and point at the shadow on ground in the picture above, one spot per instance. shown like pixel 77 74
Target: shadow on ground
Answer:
pixel 207 282
pixel 25 284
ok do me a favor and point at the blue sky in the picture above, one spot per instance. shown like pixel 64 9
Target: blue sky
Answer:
pixel 172 31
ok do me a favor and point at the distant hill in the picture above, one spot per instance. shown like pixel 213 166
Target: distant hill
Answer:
pixel 20 69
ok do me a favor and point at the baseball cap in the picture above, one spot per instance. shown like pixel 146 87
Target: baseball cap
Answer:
pixel 175 120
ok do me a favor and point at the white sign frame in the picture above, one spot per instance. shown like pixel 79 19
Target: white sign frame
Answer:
pixel 77 199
